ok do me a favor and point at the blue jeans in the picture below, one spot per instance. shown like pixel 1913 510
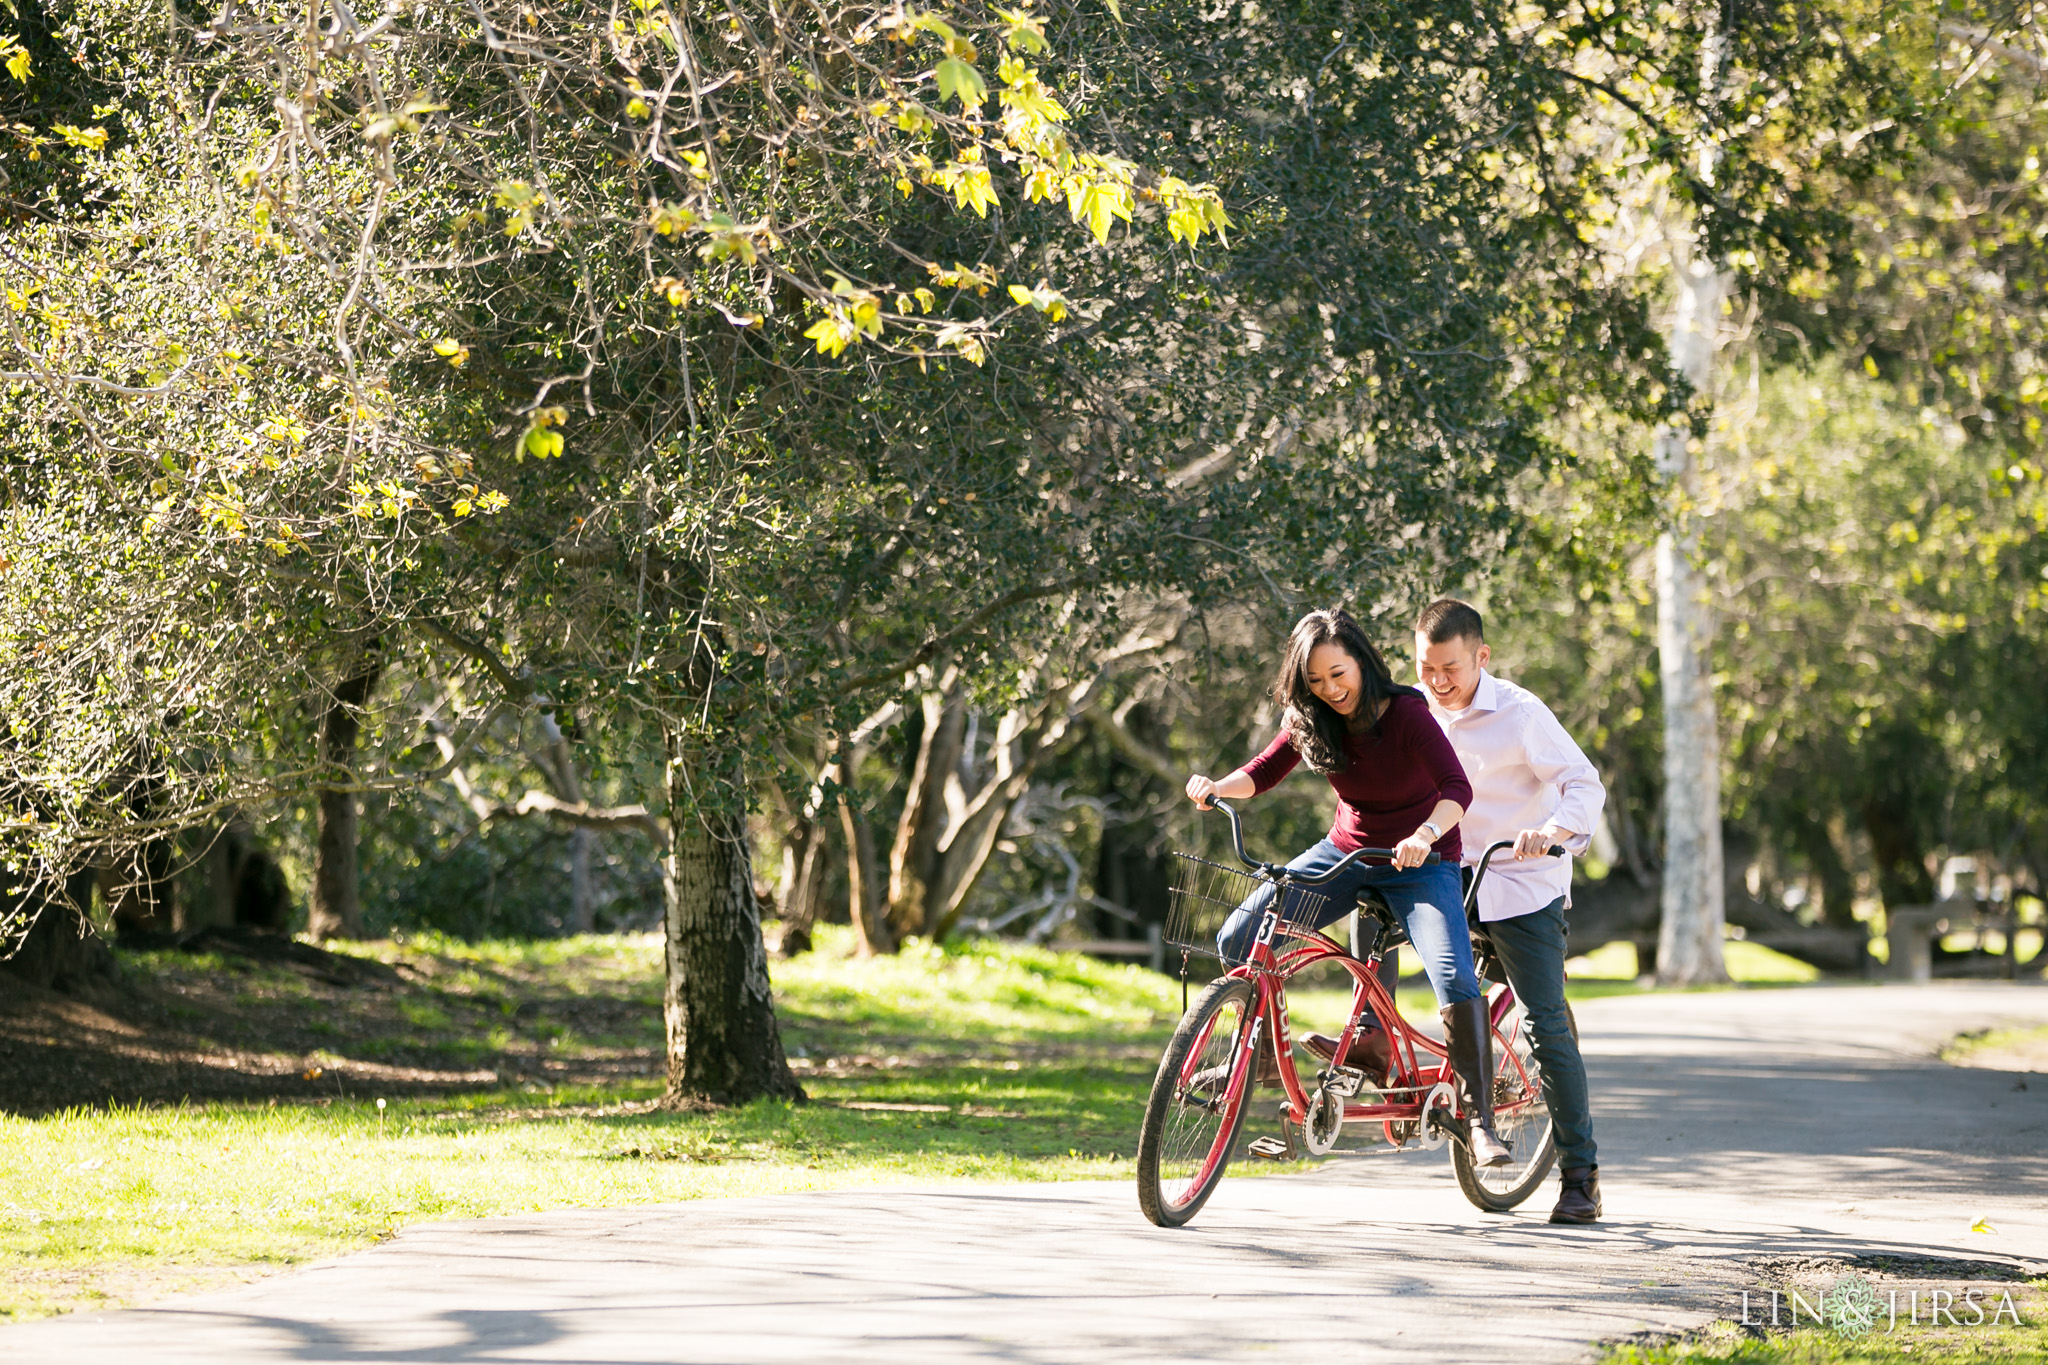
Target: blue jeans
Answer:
pixel 1426 898
pixel 1532 949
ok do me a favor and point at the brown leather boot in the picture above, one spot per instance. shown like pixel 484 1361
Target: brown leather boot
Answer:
pixel 1265 1073
pixel 1580 1202
pixel 1471 1047
pixel 1371 1051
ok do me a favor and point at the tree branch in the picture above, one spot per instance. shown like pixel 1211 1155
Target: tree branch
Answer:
pixel 1133 748
pixel 924 652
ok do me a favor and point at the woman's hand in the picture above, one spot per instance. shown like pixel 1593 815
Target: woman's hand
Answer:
pixel 1236 787
pixel 1414 850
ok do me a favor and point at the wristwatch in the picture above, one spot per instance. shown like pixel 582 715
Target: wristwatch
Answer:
pixel 1434 833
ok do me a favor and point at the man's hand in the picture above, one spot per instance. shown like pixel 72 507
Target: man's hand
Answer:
pixel 1535 843
pixel 1414 850
pixel 1200 789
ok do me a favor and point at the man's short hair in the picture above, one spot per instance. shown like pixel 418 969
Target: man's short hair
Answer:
pixel 1448 619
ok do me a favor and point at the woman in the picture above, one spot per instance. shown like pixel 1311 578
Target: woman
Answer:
pixel 1399 785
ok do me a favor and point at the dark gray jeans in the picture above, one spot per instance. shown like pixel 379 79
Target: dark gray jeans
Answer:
pixel 1532 950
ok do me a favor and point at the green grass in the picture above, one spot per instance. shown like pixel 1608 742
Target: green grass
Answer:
pixel 1614 961
pixel 1984 1344
pixel 2005 1049
pixel 1752 963
pixel 987 1062
pixel 1748 964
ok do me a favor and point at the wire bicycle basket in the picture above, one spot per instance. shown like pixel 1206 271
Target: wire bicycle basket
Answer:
pixel 1205 895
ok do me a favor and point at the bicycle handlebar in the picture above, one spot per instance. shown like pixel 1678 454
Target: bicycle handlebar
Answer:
pixel 1554 851
pixel 1280 870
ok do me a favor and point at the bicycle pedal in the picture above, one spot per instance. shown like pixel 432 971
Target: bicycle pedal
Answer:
pixel 1345 1081
pixel 1268 1149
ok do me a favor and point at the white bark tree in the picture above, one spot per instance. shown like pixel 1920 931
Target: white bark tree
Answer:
pixel 1689 934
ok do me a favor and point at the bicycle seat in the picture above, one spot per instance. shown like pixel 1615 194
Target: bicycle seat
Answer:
pixel 1392 934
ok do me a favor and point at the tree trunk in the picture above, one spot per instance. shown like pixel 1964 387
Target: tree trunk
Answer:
pixel 141 890
pixel 1895 848
pixel 871 933
pixel 1689 939
pixel 568 784
pixel 915 853
pixel 243 883
pixel 1831 872
pixel 58 950
pixel 1022 740
pixel 337 907
pixel 803 883
pixel 723 1043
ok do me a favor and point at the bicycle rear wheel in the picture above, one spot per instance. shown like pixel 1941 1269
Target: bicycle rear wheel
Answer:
pixel 1191 1122
pixel 1520 1117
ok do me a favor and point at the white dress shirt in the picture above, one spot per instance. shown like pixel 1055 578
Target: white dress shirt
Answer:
pixel 1526 773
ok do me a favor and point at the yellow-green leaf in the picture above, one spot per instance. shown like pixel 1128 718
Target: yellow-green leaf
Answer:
pixel 972 189
pixel 833 333
pixel 965 342
pixel 933 24
pixel 1048 301
pixel 1020 30
pixel 958 80
pixel 542 444
pixel 93 139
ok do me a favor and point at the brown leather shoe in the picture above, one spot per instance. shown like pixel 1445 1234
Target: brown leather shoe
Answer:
pixel 1580 1202
pixel 1370 1052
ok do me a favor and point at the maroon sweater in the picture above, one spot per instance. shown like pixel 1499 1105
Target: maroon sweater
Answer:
pixel 1392 782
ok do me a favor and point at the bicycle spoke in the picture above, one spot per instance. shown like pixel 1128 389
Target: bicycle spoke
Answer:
pixel 1197 1105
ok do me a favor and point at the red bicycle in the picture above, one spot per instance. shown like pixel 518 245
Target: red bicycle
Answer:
pixel 1199 1099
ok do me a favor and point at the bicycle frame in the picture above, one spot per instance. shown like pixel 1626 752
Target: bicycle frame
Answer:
pixel 1269 968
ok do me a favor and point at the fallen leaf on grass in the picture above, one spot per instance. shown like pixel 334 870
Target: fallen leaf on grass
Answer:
pixel 709 1156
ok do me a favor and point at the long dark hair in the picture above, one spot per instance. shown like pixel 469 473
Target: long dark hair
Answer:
pixel 1318 731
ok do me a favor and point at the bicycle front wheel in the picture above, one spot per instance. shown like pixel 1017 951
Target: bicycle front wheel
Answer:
pixel 1197 1105
pixel 1521 1118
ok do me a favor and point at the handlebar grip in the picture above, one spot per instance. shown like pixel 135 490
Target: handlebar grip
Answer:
pixel 1430 861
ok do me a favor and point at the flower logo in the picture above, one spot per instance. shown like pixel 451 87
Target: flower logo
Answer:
pixel 1852 1305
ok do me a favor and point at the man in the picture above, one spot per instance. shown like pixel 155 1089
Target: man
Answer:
pixel 1531 784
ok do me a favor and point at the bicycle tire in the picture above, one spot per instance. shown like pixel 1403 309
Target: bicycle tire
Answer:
pixel 1177 1134
pixel 1529 1130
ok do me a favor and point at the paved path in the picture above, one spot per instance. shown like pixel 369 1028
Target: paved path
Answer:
pixel 1736 1126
